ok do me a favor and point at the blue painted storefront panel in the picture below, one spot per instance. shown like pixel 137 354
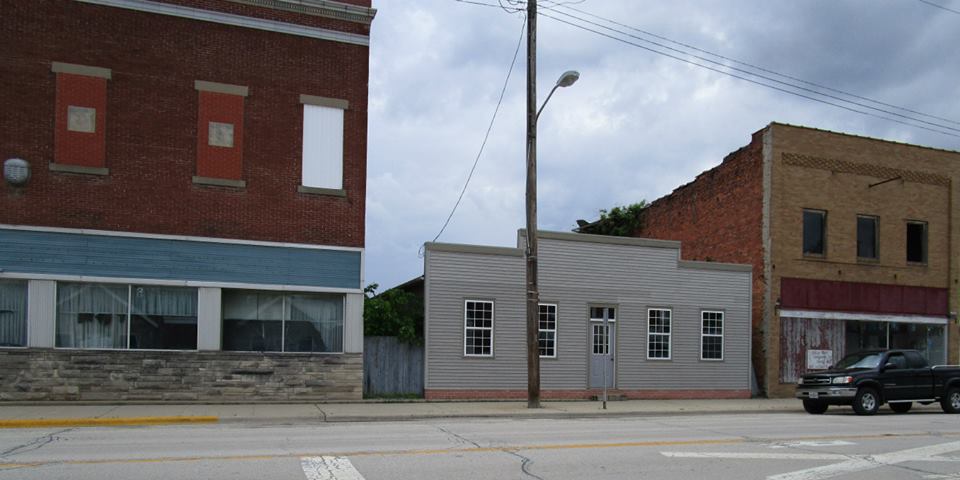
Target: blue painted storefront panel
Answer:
pixel 163 259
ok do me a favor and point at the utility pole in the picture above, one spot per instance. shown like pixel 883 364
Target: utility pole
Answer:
pixel 533 291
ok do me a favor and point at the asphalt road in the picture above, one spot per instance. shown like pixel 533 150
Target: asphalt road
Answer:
pixel 918 445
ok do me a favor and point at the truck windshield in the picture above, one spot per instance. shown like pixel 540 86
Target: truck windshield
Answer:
pixel 860 360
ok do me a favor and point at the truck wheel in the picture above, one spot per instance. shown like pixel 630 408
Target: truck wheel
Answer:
pixel 814 407
pixel 901 407
pixel 951 401
pixel 866 402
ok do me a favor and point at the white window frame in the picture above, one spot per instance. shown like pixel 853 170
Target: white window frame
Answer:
pixel 321 164
pixel 668 335
pixel 129 317
pixel 493 314
pixel 723 326
pixel 556 320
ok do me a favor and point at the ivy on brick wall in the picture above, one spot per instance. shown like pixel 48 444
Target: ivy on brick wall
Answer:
pixel 619 221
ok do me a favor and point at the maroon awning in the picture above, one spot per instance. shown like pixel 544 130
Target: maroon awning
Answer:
pixel 798 293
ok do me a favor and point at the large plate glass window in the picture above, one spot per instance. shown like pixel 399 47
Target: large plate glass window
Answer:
pixel 478 328
pixel 868 244
pixel 658 333
pixel 917 242
pixel 13 313
pixel 711 335
pixel 256 321
pixel 814 232
pixel 548 330
pixel 111 316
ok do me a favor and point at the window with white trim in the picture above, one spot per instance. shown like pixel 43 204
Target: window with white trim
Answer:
pixel 658 333
pixel 322 147
pixel 548 330
pixel 13 313
pixel 118 316
pixel 282 321
pixel 478 328
pixel 711 335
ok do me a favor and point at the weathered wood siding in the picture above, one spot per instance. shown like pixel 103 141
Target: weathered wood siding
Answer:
pixel 91 255
pixel 797 335
pixel 576 275
pixel 391 367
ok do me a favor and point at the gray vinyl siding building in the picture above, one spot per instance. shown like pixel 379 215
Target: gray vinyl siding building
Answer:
pixel 581 275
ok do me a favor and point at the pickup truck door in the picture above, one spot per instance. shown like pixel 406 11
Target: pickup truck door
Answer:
pixel 898 383
pixel 922 376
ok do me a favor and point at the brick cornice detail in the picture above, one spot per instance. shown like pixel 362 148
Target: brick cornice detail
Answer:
pixel 319 8
pixel 865 169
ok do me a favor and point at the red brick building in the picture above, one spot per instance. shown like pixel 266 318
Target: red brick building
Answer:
pixel 206 156
pixel 850 238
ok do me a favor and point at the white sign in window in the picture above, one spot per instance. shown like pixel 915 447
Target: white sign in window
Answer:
pixel 819 359
pixel 220 134
pixel 322 147
pixel 81 119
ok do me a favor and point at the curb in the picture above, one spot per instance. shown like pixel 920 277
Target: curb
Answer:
pixel 106 422
pixel 487 416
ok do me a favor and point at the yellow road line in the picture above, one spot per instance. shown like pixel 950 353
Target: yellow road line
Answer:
pixel 447 451
pixel 102 422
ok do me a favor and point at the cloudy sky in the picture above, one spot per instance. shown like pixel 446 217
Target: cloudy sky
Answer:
pixel 637 124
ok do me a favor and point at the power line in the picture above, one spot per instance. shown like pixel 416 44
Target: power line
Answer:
pixel 762 69
pixel 747 72
pixel 940 6
pixel 932 126
pixel 486 136
pixel 756 82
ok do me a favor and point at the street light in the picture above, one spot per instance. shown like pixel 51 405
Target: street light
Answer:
pixel 533 291
pixel 568 78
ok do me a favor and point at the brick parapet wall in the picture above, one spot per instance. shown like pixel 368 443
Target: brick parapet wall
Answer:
pixel 151 125
pixel 719 217
pixel 434 394
pixel 228 377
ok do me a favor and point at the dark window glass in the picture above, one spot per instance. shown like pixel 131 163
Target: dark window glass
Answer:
pixel 13 313
pixel 917 242
pixel 313 323
pixel 814 232
pixel 252 321
pixel 163 318
pixel 915 360
pixel 92 315
pixel 866 237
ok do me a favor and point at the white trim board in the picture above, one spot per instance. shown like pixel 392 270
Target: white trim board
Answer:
pixel 176 283
pixel 186 238
pixel 234 20
pixel 870 317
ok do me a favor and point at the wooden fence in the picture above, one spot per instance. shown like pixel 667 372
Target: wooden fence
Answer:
pixel 391 367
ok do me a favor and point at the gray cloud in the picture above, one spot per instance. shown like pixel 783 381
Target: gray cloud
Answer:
pixel 636 126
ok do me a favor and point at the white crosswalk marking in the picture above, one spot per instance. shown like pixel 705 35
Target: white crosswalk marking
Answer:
pixel 850 463
pixel 329 468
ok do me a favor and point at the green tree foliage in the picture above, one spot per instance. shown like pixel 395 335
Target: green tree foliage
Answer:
pixel 618 221
pixel 394 313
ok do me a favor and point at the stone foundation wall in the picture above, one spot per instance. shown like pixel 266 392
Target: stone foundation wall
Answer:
pixel 85 375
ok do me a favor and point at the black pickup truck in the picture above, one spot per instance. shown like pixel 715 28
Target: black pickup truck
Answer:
pixel 869 379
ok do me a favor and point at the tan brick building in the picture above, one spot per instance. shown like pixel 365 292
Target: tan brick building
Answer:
pixel 852 240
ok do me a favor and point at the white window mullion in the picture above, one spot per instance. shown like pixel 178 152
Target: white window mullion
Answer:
pixel 129 312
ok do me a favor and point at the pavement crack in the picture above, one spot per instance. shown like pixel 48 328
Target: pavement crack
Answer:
pixel 525 464
pixel 457 438
pixel 34 444
pixel 108 412
pixel 323 414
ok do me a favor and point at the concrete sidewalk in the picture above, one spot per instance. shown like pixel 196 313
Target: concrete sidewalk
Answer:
pixel 34 416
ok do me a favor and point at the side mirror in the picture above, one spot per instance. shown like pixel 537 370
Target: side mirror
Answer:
pixel 890 366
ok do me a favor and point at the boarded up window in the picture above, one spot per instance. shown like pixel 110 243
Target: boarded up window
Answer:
pixel 797 335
